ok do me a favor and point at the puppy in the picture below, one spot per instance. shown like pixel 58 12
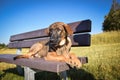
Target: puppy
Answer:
pixel 57 48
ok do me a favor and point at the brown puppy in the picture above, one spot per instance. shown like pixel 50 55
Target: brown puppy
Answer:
pixel 57 48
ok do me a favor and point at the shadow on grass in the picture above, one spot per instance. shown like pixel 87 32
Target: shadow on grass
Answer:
pixel 46 76
pixel 80 74
pixel 73 74
pixel 10 70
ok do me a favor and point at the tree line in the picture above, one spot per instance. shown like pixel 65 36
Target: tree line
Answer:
pixel 112 19
pixel 3 45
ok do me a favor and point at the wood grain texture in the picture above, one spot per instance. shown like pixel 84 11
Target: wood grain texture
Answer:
pixel 77 27
pixel 38 63
pixel 77 40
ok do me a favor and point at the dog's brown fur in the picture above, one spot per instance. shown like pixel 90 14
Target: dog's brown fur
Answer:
pixel 57 48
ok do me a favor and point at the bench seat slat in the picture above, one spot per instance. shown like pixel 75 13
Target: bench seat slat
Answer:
pixel 77 27
pixel 39 63
pixel 77 40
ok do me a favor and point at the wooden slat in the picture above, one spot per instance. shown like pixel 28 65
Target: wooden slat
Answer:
pixel 77 27
pixel 81 40
pixel 38 63
pixel 29 35
pixel 81 26
pixel 77 40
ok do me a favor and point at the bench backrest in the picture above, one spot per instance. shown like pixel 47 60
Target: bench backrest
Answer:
pixel 81 37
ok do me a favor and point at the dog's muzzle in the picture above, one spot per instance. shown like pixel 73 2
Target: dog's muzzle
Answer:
pixel 54 41
pixel 55 38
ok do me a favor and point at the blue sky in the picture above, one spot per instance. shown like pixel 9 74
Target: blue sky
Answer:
pixel 19 16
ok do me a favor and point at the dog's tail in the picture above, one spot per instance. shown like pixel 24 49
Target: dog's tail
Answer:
pixel 21 56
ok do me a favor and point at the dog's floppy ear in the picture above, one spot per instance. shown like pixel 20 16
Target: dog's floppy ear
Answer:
pixel 68 29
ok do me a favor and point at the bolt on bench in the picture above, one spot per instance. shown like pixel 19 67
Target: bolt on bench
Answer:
pixel 80 38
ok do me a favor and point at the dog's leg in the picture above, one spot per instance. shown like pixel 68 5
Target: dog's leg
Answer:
pixel 73 61
pixel 33 50
pixel 28 55
pixel 52 56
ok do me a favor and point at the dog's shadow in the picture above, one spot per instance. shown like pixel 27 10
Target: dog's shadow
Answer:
pixel 80 74
pixel 73 74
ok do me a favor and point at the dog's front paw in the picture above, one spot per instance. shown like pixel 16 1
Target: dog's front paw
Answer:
pixel 74 62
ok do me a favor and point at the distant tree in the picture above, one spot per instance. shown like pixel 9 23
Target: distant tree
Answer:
pixel 112 20
pixel 2 45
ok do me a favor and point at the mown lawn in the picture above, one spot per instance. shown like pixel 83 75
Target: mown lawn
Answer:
pixel 103 56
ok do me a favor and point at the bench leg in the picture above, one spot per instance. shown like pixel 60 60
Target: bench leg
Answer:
pixel 19 69
pixel 29 74
pixel 63 75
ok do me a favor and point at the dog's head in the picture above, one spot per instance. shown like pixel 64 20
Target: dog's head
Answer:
pixel 58 32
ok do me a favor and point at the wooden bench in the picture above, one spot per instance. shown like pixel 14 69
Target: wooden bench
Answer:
pixel 81 37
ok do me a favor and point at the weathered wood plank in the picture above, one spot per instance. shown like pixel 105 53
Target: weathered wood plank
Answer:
pixel 81 26
pixel 77 27
pixel 81 40
pixel 77 40
pixel 38 63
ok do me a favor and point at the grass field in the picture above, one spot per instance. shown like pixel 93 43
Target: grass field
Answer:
pixel 103 55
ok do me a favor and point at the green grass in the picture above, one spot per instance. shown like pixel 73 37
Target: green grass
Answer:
pixel 12 51
pixel 106 38
pixel 103 60
pixel 103 56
